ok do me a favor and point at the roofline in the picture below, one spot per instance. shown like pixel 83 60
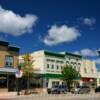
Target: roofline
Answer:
pixel 54 53
pixel 4 43
pixel 12 48
pixel 72 54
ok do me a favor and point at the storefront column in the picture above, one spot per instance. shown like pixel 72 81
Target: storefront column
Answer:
pixel 44 82
pixel 7 80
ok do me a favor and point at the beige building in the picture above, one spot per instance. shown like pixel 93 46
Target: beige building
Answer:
pixel 88 72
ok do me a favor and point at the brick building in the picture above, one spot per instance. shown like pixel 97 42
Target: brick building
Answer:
pixel 8 63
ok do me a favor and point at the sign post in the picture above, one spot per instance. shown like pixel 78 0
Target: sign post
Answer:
pixel 18 75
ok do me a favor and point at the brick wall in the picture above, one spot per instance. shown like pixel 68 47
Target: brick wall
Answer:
pixel 4 52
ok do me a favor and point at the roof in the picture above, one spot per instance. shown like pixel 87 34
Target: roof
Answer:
pixel 4 43
pixel 13 48
pixel 72 54
pixel 61 54
pixel 54 54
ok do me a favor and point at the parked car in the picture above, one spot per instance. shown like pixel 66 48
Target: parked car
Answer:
pixel 75 90
pixel 52 90
pixel 81 90
pixel 97 89
pixel 57 89
pixel 62 89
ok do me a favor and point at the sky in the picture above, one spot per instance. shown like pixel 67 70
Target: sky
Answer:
pixel 54 25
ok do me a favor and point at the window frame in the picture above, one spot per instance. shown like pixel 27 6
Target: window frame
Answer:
pixel 6 60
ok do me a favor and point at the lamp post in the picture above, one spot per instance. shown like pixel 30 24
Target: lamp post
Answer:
pixel 17 74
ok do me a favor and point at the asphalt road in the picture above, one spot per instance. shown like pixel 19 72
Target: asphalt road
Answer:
pixel 58 97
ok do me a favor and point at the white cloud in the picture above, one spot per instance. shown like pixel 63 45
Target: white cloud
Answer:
pixel 14 24
pixel 87 52
pixel 60 34
pixel 88 21
pixel 97 61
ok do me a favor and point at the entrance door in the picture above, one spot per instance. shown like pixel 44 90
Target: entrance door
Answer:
pixel 11 83
pixel 3 82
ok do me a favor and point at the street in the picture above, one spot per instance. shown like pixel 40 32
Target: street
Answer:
pixel 57 97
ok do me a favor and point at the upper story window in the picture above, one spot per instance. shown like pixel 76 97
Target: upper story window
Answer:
pixel 92 70
pixel 9 61
pixel 61 67
pixel 47 65
pixel 52 66
pixel 67 62
pixel 85 70
pixel 57 67
pixel 50 60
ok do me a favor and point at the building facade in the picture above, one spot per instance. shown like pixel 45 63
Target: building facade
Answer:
pixel 8 63
pixel 49 65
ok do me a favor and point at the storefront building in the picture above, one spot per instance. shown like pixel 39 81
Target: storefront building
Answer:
pixel 8 63
pixel 49 65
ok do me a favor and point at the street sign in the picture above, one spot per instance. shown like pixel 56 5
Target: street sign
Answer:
pixel 19 73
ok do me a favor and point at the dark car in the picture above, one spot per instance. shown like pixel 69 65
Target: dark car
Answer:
pixel 57 89
pixel 62 89
pixel 97 89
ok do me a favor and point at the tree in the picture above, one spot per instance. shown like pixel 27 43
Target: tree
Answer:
pixel 27 68
pixel 69 74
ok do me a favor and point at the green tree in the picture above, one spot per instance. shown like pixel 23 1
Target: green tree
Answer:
pixel 69 74
pixel 27 68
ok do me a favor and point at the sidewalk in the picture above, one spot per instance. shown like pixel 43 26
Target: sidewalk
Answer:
pixel 7 94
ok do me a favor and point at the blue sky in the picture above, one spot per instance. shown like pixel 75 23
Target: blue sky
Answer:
pixel 55 25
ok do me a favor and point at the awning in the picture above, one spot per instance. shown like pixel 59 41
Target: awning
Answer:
pixel 8 70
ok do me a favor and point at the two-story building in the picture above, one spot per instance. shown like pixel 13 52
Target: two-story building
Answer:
pixel 49 65
pixel 8 63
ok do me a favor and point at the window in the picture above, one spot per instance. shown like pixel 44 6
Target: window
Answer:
pixel 92 70
pixel 47 65
pixel 50 60
pixel 9 60
pixel 52 67
pixel 67 62
pixel 57 67
pixel 69 58
pixel 59 61
pixel 85 70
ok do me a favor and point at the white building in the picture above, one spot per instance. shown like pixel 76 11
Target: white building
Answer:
pixel 49 65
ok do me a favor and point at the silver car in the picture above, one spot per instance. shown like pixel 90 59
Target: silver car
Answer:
pixel 81 90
